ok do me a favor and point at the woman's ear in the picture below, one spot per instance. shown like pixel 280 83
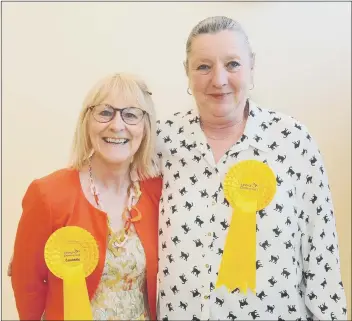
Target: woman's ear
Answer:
pixel 252 62
pixel 185 65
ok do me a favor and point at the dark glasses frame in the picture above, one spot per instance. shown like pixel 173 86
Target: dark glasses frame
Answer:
pixel 115 110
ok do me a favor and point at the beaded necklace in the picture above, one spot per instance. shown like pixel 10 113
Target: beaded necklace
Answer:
pixel 118 239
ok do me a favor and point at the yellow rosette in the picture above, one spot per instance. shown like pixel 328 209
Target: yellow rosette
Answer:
pixel 71 253
pixel 249 186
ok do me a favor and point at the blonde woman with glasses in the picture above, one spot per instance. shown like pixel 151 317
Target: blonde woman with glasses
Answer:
pixel 111 190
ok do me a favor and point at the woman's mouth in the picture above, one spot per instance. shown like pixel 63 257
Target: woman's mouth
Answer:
pixel 220 96
pixel 116 141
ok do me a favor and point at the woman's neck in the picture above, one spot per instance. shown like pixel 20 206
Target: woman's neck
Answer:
pixel 223 127
pixel 110 176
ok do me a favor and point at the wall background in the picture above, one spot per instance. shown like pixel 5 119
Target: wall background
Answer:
pixel 53 52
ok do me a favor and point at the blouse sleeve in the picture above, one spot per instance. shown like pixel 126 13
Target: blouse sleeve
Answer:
pixel 29 271
pixel 324 292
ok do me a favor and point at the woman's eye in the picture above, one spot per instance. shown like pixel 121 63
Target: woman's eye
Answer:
pixel 130 115
pixel 203 67
pixel 105 113
pixel 233 65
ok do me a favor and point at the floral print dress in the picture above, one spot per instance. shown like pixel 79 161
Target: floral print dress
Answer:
pixel 121 294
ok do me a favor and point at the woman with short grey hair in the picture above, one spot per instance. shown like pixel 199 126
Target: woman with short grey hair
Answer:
pixel 246 227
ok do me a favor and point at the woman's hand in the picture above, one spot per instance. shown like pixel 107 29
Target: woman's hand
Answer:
pixel 9 268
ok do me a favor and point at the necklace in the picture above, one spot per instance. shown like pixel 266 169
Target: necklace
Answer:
pixel 118 240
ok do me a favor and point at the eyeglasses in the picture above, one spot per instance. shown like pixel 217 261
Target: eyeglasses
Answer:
pixel 105 113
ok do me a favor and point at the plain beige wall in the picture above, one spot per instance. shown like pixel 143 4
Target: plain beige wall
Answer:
pixel 53 52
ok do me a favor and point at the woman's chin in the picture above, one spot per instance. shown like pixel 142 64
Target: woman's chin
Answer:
pixel 116 160
pixel 222 110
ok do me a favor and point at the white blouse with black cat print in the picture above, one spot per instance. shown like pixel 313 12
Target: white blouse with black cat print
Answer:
pixel 298 266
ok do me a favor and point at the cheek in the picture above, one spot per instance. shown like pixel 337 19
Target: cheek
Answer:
pixel 94 130
pixel 199 83
pixel 138 133
pixel 236 82
pixel 239 81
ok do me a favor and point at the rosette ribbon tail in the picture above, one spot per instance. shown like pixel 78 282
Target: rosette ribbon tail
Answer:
pixel 76 299
pixel 238 264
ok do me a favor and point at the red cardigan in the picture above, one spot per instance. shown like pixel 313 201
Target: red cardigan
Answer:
pixel 55 201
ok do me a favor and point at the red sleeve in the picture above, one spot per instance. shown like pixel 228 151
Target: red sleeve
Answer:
pixel 29 271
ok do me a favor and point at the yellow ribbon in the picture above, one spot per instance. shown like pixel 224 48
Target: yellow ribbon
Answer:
pixel 248 186
pixel 71 253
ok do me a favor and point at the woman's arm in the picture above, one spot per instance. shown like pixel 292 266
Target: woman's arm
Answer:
pixel 29 271
pixel 324 292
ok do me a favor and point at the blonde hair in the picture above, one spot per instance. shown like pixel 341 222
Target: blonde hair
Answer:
pixel 131 88
pixel 214 25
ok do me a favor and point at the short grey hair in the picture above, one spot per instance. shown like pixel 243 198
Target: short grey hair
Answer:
pixel 214 25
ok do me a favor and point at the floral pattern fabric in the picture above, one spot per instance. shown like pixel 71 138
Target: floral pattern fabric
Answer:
pixel 121 294
pixel 121 291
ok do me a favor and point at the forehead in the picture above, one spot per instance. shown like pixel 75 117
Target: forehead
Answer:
pixel 221 44
pixel 121 100
pixel 120 93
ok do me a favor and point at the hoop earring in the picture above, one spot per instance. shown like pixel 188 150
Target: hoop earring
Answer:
pixel 189 92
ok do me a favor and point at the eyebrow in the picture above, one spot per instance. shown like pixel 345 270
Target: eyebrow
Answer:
pixel 227 58
pixel 126 106
pixel 230 57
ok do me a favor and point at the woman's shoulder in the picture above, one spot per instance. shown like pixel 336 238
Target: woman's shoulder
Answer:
pixel 153 184
pixel 292 135
pixel 53 194
pixel 179 118
pixel 56 185
pixel 272 116
pixel 58 179
pixel 151 187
